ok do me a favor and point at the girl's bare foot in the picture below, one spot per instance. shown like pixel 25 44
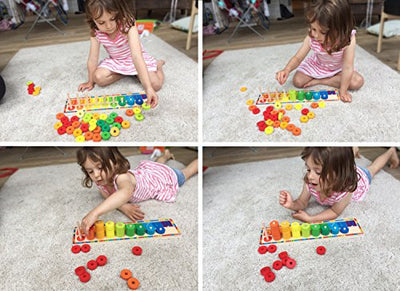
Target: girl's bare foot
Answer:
pixel 356 151
pixel 168 155
pixel 312 83
pixel 394 159
pixel 160 63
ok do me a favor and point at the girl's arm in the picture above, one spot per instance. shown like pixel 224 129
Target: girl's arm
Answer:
pixel 140 65
pixel 114 201
pixel 328 214
pixel 285 199
pixel 347 69
pixel 91 64
pixel 294 62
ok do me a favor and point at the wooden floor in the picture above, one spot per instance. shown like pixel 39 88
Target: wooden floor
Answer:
pixel 218 156
pixel 26 157
pixel 294 30
pixel 77 30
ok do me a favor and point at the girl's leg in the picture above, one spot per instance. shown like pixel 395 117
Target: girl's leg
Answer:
pixel 389 156
pixel 104 77
pixel 356 81
pixel 165 157
pixel 300 79
pixel 190 169
pixel 157 77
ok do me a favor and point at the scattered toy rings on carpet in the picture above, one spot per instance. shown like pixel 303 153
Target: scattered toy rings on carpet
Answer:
pixel 286 119
pixel 80 270
pixel 96 137
pixel 105 135
pixel 74 118
pixel 136 110
pixel 117 125
pixel 283 124
pixel 77 132
pixel 58 125
pixel 64 119
pixel 252 107
pixel 265 270
pixel 114 131
pixel 314 105
pixel 80 138
pixel 290 263
pixel 125 124
pixel 105 127
pixel 321 104
pixel 80 113
pixel 269 122
pixel 139 117
pixel 126 274
pixel 103 116
pixel 85 127
pixel 61 130
pixel 243 89
pixel 296 131
pixel 272 248
pixel 96 116
pixel 256 110
pixel 113 115
pixel 277 265
pixel 75 249
pixel 101 260
pixel 76 124
pixel 269 277
pixel 298 106
pixel 145 106
pixel 97 129
pixel 137 251
pixel 310 115
pixel 110 120
pixel 278 105
pixel 283 255
pixel 100 122
pixel 92 264
pixel 276 123
pixel 133 283
pixel 290 127
pixel 289 107
pixel 118 119
pixel 88 135
pixel 60 115
pixel 321 250
pixel 129 112
pixel 70 129
pixel 269 130
pixel 85 248
pixel 262 249
pixel 84 277
pixel 250 102
pixel 303 118
pixel 305 111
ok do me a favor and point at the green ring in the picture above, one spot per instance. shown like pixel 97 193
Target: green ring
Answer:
pixel 113 115
pixel 116 124
pixel 105 135
pixel 100 122
pixel 105 128
pixel 139 116
pixel 110 120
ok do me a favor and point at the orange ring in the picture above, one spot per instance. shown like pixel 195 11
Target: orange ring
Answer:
pixel 314 105
pixel 76 124
pixel 60 115
pixel 96 137
pixel 70 129
pixel 290 127
pixel 286 119
pixel 282 111
pixel 88 135
pixel 97 129
pixel 129 112
pixel 273 112
pixel 296 131
pixel 96 116
pixel 276 123
pixel 126 274
pixel 133 283
pixel 252 107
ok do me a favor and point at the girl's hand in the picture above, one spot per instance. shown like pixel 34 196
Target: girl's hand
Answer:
pixel 285 199
pixel 88 221
pixel 86 86
pixel 282 76
pixel 152 97
pixel 301 215
pixel 133 211
pixel 345 96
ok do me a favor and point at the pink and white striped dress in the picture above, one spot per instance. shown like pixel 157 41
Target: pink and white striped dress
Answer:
pixel 153 181
pixel 358 194
pixel 320 64
pixel 120 60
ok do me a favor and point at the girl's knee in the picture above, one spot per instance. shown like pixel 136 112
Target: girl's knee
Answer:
pixel 357 82
pixel 298 82
pixel 99 78
pixel 156 84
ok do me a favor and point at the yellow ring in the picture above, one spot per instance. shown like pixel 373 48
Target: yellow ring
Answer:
pixel 278 105
pixel 114 131
pixel 289 107
pixel 136 110
pixel 250 102
pixel 103 116
pixel 125 124
pixel 92 127
pixel 269 130
pixel 298 106
pixel 243 89
pixel 96 116
pixel 77 132
pixel 80 113
pixel 80 138
pixel 321 104
pixel 145 106
pixel 269 122
pixel 283 124
pixel 58 125
pixel 303 118
pixel 310 115
pixel 139 117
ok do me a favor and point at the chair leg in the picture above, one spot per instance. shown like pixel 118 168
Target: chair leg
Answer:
pixel 192 16
pixel 398 63
pixel 379 47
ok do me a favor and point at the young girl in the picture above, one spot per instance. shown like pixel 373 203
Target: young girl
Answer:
pixel 121 186
pixel 334 180
pixel 112 24
pixel 332 39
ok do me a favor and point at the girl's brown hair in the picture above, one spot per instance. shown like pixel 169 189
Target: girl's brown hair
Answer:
pixel 338 173
pixel 112 162
pixel 123 9
pixel 336 17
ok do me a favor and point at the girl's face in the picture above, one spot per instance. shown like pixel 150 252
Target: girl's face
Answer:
pixel 318 32
pixel 313 173
pixel 96 172
pixel 106 22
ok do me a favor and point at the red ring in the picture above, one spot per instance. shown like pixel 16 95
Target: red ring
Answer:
pixel 101 260
pixel 269 277
pixel 321 250
pixel 256 110
pixel 283 255
pixel 118 119
pixel 265 270
pixel 262 249
pixel 85 248
pixel 74 118
pixel 137 251
pixel 290 263
pixel 305 111
pixel 80 270
pixel 92 264
pixel 272 248
pixel 61 130
pixel 277 265
pixel 75 249
pixel 84 277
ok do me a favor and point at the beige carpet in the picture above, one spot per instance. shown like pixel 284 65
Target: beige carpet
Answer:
pixel 39 208
pixel 59 69
pixel 238 198
pixel 373 115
